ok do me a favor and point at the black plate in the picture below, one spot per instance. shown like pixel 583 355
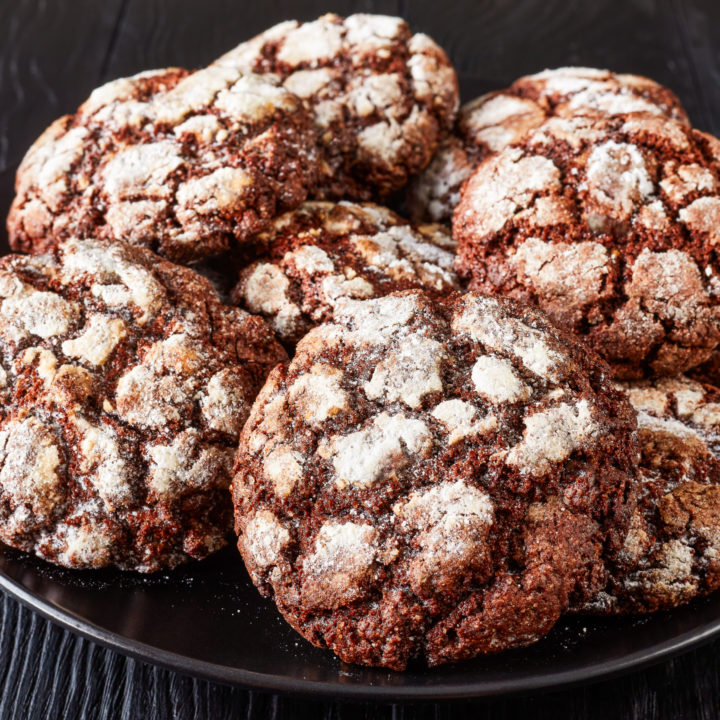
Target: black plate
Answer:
pixel 207 619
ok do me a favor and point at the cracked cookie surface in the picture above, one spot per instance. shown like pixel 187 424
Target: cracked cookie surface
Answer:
pixel 611 227
pixel 672 552
pixel 125 383
pixel 494 121
pixel 318 256
pixel 433 479
pixel 185 163
pixel 382 97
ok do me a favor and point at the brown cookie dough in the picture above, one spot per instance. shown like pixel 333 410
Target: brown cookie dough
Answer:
pixel 124 383
pixel 433 479
pixel 610 226
pixel 323 253
pixel 672 552
pixel 184 163
pixel 382 97
pixel 708 373
pixel 490 123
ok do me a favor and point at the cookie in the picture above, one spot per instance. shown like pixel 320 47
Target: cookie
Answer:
pixel 125 383
pixel 430 479
pixel 490 123
pixel 611 226
pixel 382 97
pixel 323 253
pixel 672 552
pixel 186 164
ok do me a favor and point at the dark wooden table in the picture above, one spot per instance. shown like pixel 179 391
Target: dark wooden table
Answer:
pixel 53 52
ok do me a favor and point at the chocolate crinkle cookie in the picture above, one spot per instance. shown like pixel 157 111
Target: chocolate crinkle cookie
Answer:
pixel 611 226
pixel 433 478
pixel 490 123
pixel 187 164
pixel 672 552
pixel 125 383
pixel 323 253
pixel 381 96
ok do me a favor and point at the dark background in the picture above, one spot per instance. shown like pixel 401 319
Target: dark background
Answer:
pixel 53 53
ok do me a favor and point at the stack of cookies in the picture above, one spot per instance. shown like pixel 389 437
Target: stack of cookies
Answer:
pixel 436 435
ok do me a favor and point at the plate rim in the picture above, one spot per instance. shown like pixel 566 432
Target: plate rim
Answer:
pixel 267 682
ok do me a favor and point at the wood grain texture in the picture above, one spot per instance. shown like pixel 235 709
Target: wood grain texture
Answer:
pixel 49 59
pixel 491 45
pixel 51 56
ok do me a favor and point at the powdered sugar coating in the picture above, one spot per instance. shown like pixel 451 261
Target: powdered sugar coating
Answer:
pixel 452 522
pixel 319 394
pixel 461 419
pixel 606 224
pixel 409 373
pixel 553 435
pixel 672 551
pixel 315 259
pixel 381 96
pixel 405 449
pixel 342 557
pixel 496 379
pixel 499 119
pixel 361 458
pixel 266 538
pixel 123 400
pixel 184 163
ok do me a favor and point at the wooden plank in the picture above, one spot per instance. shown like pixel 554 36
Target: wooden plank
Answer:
pixel 491 45
pixel 51 58
pixel 696 26
pixel 161 33
pixel 497 41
